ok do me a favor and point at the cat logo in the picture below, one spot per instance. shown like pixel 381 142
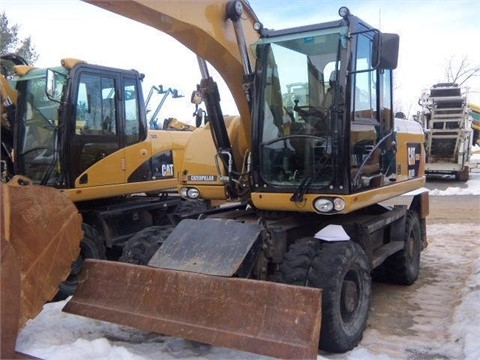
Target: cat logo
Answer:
pixel 203 178
pixel 167 170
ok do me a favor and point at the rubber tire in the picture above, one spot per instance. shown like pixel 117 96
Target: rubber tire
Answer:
pixel 326 265
pixel 91 247
pixel 140 248
pixel 403 267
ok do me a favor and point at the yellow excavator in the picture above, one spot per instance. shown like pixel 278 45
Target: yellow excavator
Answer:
pixel 80 174
pixel 82 129
pixel 286 266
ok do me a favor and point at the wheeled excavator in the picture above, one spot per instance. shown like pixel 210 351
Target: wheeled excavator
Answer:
pixel 285 266
pixel 81 128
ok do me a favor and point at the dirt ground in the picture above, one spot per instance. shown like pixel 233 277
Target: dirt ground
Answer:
pixel 454 209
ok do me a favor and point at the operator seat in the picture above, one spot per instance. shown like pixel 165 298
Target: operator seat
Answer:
pixel 328 99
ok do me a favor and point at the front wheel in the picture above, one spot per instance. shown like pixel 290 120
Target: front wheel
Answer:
pixel 342 270
pixel 91 247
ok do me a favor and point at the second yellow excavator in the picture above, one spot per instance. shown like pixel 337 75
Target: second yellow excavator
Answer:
pixel 81 128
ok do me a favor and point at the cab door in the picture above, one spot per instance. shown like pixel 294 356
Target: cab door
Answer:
pixel 372 145
pixel 96 147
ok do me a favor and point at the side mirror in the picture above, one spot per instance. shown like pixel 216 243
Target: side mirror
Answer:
pixel 54 85
pixel 385 51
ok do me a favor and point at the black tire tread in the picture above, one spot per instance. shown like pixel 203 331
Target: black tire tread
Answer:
pixel 324 265
pixel 140 248
pixel 399 268
pixel 91 247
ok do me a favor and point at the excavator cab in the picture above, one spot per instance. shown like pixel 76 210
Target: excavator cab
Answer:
pixel 76 120
pixel 71 118
pixel 322 114
pixel 323 118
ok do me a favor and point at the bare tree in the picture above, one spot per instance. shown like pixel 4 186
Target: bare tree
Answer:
pixel 11 43
pixel 459 72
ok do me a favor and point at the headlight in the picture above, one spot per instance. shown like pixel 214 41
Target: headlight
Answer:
pixel 189 193
pixel 329 205
pixel 323 205
pixel 339 204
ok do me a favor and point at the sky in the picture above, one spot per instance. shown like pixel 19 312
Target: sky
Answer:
pixel 431 33
pixel 443 307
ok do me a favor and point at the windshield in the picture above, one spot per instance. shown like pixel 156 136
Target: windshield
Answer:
pixel 298 136
pixel 37 128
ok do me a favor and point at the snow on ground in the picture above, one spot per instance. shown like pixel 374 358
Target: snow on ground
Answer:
pixel 472 188
pixel 443 315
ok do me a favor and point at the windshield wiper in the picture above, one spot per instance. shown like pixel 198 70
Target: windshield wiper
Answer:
pixel 307 181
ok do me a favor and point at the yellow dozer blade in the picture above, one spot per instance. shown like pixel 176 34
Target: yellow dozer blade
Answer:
pixel 40 238
pixel 256 316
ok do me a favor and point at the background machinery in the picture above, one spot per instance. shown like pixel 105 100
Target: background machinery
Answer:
pixel 448 130
pixel 287 266
pixel 475 115
pixel 82 129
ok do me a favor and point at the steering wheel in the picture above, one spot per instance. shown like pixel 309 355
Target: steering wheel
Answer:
pixel 308 111
pixel 313 116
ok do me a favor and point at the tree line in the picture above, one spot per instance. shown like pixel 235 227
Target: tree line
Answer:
pixel 11 43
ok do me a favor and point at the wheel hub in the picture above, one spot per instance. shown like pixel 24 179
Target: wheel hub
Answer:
pixel 349 296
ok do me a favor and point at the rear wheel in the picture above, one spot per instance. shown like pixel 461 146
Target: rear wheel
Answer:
pixel 403 266
pixel 140 248
pixel 91 247
pixel 342 270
